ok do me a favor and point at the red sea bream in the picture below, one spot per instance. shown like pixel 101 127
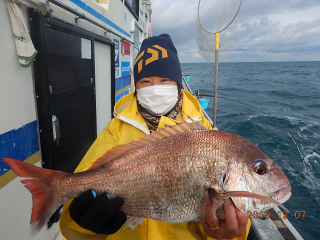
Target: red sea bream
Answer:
pixel 164 176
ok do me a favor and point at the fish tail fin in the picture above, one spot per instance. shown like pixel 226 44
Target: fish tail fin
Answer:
pixel 39 182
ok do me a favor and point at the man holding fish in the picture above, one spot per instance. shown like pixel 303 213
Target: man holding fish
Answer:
pixel 171 183
pixel 158 98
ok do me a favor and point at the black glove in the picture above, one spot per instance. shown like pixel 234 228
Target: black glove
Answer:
pixel 100 215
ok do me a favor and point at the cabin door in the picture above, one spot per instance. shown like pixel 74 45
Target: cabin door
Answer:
pixel 70 78
pixel 64 73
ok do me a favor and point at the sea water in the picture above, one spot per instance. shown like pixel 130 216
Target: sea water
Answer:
pixel 290 93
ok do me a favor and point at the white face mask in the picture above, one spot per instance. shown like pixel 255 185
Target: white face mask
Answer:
pixel 158 99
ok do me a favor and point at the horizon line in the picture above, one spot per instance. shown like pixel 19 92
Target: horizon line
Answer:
pixel 255 61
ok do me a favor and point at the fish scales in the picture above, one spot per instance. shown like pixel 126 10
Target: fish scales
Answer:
pixel 165 178
pixel 170 173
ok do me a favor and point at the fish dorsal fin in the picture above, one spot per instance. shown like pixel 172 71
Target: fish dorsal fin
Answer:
pixel 161 133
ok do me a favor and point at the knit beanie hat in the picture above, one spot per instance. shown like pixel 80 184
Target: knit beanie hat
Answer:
pixel 158 57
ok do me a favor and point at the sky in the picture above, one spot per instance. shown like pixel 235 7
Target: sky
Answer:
pixel 266 30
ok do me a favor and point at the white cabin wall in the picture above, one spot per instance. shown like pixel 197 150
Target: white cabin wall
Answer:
pixel 68 17
pixel 17 105
pixel 115 11
pixel 17 108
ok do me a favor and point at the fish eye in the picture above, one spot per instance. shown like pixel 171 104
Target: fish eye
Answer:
pixel 260 167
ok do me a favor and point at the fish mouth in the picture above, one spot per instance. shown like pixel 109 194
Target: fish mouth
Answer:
pixel 283 194
pixel 285 198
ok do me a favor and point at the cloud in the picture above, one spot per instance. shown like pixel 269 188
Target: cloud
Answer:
pixel 267 30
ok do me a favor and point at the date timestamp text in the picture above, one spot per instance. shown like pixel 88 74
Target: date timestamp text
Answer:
pixel 283 215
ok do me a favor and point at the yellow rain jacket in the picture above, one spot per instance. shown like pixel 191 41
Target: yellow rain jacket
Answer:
pixel 127 125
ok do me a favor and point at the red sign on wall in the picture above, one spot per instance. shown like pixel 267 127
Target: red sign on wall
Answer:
pixel 125 48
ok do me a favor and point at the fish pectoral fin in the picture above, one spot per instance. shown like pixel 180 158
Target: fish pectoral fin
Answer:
pixel 216 203
pixel 132 222
pixel 247 194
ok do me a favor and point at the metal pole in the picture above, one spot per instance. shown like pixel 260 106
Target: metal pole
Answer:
pixel 216 81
